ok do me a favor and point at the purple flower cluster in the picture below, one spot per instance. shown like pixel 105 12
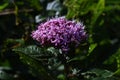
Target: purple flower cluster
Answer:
pixel 60 33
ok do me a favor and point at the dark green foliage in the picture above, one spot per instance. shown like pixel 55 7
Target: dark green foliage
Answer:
pixel 4 75
pixel 22 58
pixel 31 56
pixel 98 74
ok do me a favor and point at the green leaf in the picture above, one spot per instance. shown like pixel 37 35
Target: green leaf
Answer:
pixel 54 5
pixel 4 75
pixel 30 55
pixel 78 58
pixel 102 73
pixel 78 7
pixel 36 67
pixel 32 49
pixel 61 77
pixel 53 50
pixel 38 53
pixel 3 6
pixel 114 58
pixel 20 41
pixel 35 4
pixel 117 73
pixel 91 48
pixel 97 10
pixel 98 74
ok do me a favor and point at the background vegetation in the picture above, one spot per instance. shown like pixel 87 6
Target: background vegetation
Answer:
pixel 21 58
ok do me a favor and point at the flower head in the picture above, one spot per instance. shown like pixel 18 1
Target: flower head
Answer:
pixel 60 33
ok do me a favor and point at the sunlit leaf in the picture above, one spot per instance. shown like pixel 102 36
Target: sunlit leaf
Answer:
pixel 3 6
pixel 53 50
pixel 91 48
pixel 61 77
pixel 117 73
pixel 55 6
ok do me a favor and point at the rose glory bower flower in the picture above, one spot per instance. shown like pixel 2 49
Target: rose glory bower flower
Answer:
pixel 60 33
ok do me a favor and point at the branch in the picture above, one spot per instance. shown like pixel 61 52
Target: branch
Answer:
pixel 9 11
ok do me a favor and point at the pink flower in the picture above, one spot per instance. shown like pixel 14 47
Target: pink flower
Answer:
pixel 60 33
